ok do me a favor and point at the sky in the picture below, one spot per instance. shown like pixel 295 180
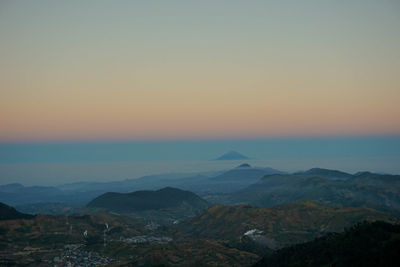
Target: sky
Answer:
pixel 177 70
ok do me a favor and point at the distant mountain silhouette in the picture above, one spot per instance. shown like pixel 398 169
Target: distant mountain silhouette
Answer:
pixel 245 173
pixel 166 198
pixel 232 155
pixel 83 192
pixel 9 213
pixel 16 194
pixel 244 165
pixel 260 186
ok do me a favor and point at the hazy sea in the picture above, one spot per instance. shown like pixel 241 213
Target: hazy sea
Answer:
pixel 60 163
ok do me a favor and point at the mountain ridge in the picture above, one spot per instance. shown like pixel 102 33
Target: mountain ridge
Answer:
pixel 381 192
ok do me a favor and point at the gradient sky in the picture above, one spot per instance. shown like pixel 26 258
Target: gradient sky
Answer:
pixel 110 70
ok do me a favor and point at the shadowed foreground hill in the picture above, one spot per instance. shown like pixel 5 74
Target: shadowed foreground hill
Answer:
pixel 365 244
pixel 9 213
pixel 166 198
pixel 220 236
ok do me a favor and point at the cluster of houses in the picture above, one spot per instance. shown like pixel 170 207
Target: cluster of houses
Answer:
pixel 73 255
pixel 146 239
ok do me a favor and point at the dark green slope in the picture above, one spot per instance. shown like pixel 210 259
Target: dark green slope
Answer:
pixel 365 244
pixel 166 198
pixel 9 213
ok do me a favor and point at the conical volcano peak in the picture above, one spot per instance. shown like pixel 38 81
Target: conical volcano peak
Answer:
pixel 232 155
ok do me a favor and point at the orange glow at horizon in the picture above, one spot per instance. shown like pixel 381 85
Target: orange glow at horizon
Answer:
pixel 140 78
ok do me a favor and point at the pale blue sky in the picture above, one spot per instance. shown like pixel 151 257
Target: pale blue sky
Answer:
pixel 118 70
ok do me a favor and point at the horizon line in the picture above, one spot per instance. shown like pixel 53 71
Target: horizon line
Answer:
pixel 192 139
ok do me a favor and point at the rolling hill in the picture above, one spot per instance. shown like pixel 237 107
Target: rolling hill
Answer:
pixel 326 173
pixel 219 236
pixel 328 187
pixel 277 226
pixel 166 198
